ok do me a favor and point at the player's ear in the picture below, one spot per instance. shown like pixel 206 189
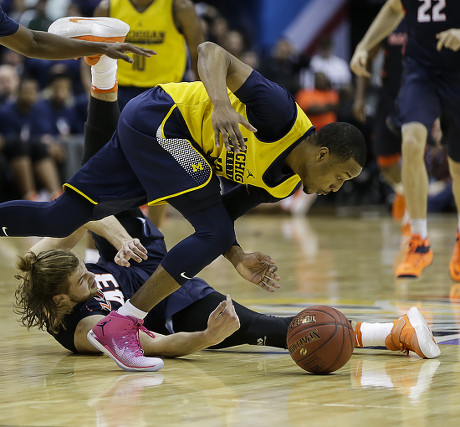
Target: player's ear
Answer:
pixel 60 299
pixel 323 153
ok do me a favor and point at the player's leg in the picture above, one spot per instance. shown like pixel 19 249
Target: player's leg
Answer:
pixel 419 106
pixel 409 332
pixel 450 126
pixel 255 328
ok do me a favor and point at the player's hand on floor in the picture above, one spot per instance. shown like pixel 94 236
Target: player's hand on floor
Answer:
pixel 259 269
pixel 449 39
pixel 130 249
pixel 225 122
pixel 116 51
pixel 222 322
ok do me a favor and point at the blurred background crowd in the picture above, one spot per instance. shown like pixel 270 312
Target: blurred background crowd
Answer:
pixel 299 44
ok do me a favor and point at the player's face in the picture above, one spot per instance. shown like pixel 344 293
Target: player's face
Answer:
pixel 328 175
pixel 82 284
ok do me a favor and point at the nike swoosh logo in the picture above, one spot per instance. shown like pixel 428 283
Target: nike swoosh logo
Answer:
pixel 4 231
pixel 184 276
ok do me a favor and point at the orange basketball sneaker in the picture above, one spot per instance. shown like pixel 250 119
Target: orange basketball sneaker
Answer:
pixel 454 265
pixel 411 332
pixel 98 29
pixel 419 256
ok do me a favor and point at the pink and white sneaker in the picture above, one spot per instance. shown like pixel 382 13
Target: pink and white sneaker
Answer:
pixel 118 337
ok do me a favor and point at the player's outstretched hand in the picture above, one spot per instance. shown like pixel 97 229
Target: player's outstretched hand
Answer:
pixel 449 39
pixel 222 322
pixel 130 249
pixel 358 63
pixel 225 122
pixel 259 269
pixel 115 51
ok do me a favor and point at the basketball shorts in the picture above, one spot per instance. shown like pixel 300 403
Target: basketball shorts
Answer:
pixel 148 159
pixel 427 94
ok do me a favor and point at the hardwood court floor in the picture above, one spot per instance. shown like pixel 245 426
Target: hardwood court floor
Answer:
pixel 346 262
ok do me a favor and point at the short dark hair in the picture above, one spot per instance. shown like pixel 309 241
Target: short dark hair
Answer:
pixel 344 140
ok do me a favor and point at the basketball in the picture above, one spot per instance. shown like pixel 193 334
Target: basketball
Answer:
pixel 320 339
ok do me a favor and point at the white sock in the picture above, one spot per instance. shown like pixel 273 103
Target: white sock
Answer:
pixel 127 309
pixel 104 73
pixel 374 334
pixel 419 226
pixel 398 188
pixel 458 222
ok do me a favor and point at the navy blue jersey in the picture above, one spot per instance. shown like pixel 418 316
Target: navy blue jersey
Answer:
pixel 425 19
pixel 117 284
pixel 394 46
pixel 7 25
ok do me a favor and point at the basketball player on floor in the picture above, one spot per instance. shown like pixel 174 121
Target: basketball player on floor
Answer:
pixel 61 294
pixel 430 88
pixel 167 148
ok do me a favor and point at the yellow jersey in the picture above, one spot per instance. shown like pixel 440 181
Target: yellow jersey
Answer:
pixel 247 167
pixel 154 28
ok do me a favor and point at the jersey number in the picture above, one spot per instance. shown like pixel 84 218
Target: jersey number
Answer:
pixel 436 15
pixel 139 63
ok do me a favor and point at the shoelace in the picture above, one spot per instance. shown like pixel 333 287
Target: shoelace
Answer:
pixel 132 340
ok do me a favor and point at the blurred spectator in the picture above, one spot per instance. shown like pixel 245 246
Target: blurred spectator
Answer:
pixel 82 7
pixel 324 60
pixel 320 103
pixel 39 20
pixel 283 65
pixel 9 82
pixel 28 155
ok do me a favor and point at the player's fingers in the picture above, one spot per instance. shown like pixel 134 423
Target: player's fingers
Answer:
pixel 139 249
pixel 217 138
pixel 234 139
pixel 441 40
pixel 220 309
pixel 248 125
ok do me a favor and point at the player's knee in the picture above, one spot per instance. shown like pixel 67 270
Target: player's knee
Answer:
pixel 221 236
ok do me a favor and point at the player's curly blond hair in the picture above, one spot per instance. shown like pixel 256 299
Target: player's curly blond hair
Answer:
pixel 42 277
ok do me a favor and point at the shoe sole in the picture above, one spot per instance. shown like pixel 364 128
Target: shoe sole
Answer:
pixel 413 276
pixel 97 27
pixel 95 342
pixel 424 336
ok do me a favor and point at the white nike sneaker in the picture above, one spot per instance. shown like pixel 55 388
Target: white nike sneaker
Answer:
pixel 97 29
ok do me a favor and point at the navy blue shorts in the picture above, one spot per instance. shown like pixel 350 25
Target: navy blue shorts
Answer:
pixel 141 163
pixel 427 94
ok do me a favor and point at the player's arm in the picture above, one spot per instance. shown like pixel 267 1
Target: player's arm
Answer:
pixel 128 247
pixel 222 322
pixel 42 45
pixel 361 85
pixel 109 228
pixel 189 25
pixel 385 22
pixel 49 243
pixel 219 69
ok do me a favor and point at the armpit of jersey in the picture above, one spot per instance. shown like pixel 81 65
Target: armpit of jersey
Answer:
pixel 188 158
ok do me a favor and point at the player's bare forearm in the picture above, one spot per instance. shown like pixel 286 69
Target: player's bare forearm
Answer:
pixel 128 247
pixel 42 45
pixel 49 243
pixel 175 345
pixel 385 22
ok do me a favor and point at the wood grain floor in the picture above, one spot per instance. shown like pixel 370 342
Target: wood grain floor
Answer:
pixel 344 261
